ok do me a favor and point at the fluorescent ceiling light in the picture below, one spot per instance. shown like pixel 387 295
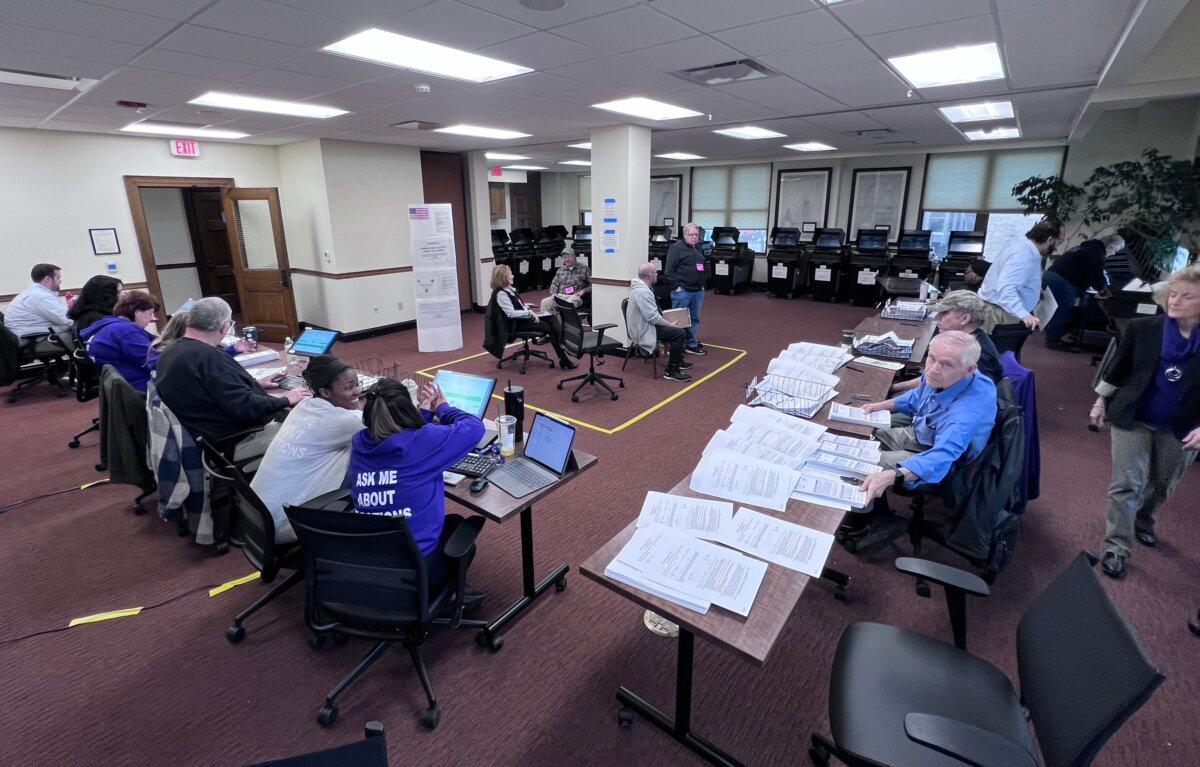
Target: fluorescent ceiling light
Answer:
pixel 480 131
pixel 981 134
pixel 170 129
pixel 524 167
pixel 505 156
pixel 950 66
pixel 36 80
pixel 750 132
pixel 410 53
pixel 272 106
pixel 645 108
pixel 679 156
pixel 585 145
pixel 810 146
pixel 985 110
pixel 576 162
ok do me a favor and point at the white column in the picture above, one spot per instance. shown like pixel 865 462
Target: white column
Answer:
pixel 621 175
pixel 479 219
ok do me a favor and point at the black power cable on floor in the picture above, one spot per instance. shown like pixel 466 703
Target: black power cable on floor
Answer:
pixel 84 486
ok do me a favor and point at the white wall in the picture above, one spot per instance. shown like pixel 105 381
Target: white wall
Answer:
pixel 167 222
pixel 1171 127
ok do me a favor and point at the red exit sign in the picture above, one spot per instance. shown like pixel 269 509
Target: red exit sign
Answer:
pixel 185 147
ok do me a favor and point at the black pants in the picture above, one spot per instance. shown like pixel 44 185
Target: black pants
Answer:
pixel 438 566
pixel 673 338
pixel 550 326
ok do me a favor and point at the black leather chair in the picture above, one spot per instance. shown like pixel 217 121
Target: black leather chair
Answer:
pixel 526 337
pixel 83 375
pixel 371 751
pixel 578 343
pixel 366 578
pixel 256 529
pixel 633 351
pixel 1010 338
pixel 901 698
pixel 25 361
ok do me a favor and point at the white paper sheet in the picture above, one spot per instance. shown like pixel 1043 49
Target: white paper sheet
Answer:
pixel 885 364
pixel 880 419
pixel 822 485
pixel 699 516
pixel 844 464
pixel 730 475
pixel 723 440
pixel 776 420
pixel 784 543
pixel 791 444
pixel 1046 307
pixel 439 324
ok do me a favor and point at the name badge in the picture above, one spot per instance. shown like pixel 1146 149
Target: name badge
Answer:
pixel 699 266
pixel 569 289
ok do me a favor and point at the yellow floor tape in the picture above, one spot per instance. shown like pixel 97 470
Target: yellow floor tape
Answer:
pixel 104 616
pixel 230 584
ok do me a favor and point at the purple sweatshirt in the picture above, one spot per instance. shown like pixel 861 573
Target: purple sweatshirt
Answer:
pixel 402 475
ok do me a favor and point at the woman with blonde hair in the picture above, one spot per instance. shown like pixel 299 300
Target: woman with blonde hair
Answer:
pixel 1150 395
pixel 506 313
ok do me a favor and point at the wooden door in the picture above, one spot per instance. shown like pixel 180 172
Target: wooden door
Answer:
pixel 525 200
pixel 255 232
pixel 442 180
pixel 214 261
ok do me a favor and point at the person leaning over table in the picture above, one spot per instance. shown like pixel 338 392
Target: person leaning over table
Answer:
pixel 1013 285
pixel 953 410
pixel 506 299
pixel 648 328
pixel 572 282
pixel 1070 276
pixel 1150 398
pixel 685 274
pixel 961 310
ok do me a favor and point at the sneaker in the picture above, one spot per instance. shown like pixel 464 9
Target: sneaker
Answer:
pixel 567 365
pixel 685 365
pixel 676 375
pixel 697 350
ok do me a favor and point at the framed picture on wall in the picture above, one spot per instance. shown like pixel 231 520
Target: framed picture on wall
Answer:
pixel 802 197
pixel 665 199
pixel 104 242
pixel 878 197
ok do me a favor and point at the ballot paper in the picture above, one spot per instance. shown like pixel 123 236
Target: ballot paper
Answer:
pixel 824 489
pixel 1045 308
pixel 784 543
pixel 815 356
pixel 726 474
pixel 791 444
pixel 904 310
pixel 257 357
pixel 684 569
pixel 847 414
pixel 1138 285
pixel 858 449
pixel 885 364
pixel 844 464
pixel 884 345
pixel 723 440
pixel 700 517
pixel 776 420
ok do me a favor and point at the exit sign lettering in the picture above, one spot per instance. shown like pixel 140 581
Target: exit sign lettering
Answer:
pixel 185 147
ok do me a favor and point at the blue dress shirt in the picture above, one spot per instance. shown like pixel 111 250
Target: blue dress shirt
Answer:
pixel 954 421
pixel 1014 282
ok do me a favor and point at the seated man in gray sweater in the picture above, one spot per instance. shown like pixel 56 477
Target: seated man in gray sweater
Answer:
pixel 647 327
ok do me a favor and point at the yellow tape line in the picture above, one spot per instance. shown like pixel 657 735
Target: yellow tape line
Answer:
pixel 105 616
pixel 230 584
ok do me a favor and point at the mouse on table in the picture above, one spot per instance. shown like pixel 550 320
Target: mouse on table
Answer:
pixel 479 484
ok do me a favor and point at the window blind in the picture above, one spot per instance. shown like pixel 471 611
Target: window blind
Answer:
pixel 1009 168
pixel 983 181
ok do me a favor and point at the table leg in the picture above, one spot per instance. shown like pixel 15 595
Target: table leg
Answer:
pixel 678 727
pixel 489 636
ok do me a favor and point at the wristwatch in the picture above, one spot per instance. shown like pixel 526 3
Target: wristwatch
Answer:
pixel 899 483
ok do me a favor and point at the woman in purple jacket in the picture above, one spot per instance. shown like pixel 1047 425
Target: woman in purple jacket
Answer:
pixel 122 339
pixel 396 464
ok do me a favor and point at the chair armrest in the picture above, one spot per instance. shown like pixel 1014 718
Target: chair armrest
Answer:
pixel 599 331
pixel 966 742
pixel 228 444
pixel 463 539
pixel 950 577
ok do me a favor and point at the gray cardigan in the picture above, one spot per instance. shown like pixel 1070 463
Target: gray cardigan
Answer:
pixel 642 315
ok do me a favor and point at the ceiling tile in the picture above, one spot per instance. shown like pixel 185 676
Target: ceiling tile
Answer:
pixel 36 98
pixel 845 122
pixel 540 83
pixel 626 30
pixel 629 77
pixel 18 122
pixel 1061 15
pixel 357 98
pixel 1041 79
pixel 541 51
pixel 945 34
pixel 782 94
pixel 21 38
pixel 167 9
pixel 723 107
pixel 858 85
pixel 293 83
pixel 202 41
pixel 784 34
pixel 86 19
pixel 1061 51
pixel 357 11
pixel 186 63
pixel 717 15
pixel 347 70
pixel 572 11
pixel 683 54
pixel 872 17
pixel 108 93
pixel 274 22
pixel 836 54
pixel 452 23
pixel 167 80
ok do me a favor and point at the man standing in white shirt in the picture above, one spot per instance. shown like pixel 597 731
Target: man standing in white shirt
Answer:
pixel 36 309
pixel 1013 285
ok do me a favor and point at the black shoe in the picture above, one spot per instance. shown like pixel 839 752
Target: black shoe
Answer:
pixel 1146 536
pixel 472 600
pixel 676 375
pixel 697 350
pixel 685 365
pixel 567 365
pixel 877 537
pixel 1113 565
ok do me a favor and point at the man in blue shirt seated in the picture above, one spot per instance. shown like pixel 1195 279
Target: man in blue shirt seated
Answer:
pixel 952 409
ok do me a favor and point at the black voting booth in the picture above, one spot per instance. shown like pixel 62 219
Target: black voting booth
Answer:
pixel 502 249
pixel 548 246
pixel 525 270
pixel 581 244
pixel 961 249
pixel 868 260
pixel 912 259
pixel 733 263
pixel 786 272
pixel 660 243
pixel 826 262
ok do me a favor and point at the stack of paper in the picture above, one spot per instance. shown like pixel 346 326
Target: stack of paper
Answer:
pixel 783 543
pixel 258 357
pixel 815 356
pixel 757 441
pixel 850 447
pixel 773 419
pixel 726 474
pixel 885 364
pixel 880 419
pixel 886 345
pixel 802 395
pixel 904 310
pixel 842 465
pixel 699 517
pixel 827 489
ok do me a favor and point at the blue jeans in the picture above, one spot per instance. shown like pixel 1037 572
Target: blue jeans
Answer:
pixel 692 300
pixel 1066 295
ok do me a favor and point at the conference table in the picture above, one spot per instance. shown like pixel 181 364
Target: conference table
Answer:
pixel 918 331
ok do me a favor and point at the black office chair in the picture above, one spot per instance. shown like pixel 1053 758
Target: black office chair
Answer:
pixel 256 528
pixel 577 342
pixel 526 337
pixel 897 697
pixel 83 375
pixel 366 578
pixel 634 351
pixel 371 751
pixel 24 361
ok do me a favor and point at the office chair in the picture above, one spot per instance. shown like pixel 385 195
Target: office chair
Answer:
pixel 84 377
pixel 526 352
pixel 635 351
pixel 897 697
pixel 371 751
pixel 24 364
pixel 366 578
pixel 256 528
pixel 577 342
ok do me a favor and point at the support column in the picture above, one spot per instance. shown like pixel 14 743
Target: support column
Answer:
pixel 479 223
pixel 620 191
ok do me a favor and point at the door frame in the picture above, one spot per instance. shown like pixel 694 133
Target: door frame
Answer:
pixel 133 190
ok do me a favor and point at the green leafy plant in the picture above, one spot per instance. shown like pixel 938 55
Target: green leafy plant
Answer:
pixel 1048 195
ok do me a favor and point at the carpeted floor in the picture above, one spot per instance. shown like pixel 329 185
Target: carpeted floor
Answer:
pixel 164 687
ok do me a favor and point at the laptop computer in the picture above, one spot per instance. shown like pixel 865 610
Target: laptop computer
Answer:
pixel 469 393
pixel 548 456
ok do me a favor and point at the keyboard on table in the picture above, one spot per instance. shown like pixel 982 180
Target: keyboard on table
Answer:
pixel 525 472
pixel 473 465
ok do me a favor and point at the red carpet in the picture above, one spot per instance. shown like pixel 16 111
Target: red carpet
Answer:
pixel 164 687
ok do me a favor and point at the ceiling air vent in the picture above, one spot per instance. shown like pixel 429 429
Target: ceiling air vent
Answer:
pixel 42 80
pixel 416 125
pixel 729 72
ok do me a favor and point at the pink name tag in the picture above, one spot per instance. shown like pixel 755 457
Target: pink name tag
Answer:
pixel 569 289
pixel 700 266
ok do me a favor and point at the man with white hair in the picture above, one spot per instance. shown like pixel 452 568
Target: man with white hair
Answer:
pixel 953 409
pixel 647 327
pixel 210 393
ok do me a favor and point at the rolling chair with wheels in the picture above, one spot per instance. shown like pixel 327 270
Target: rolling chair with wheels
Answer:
pixel 510 334
pixel 84 377
pixel 897 697
pixel 256 528
pixel 365 577
pixel 26 362
pixel 371 751
pixel 634 351
pixel 577 342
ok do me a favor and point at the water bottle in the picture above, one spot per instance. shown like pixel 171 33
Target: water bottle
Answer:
pixel 287 347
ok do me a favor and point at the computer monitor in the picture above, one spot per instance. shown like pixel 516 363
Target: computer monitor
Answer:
pixel 872 239
pixel 468 393
pixel 557 232
pixel 965 243
pixel 581 233
pixel 785 237
pixel 521 236
pixel 499 237
pixel 829 238
pixel 549 442
pixel 314 341
pixel 914 240
pixel 660 234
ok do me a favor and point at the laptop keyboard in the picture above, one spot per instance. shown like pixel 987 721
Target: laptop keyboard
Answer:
pixel 526 473
pixel 473 465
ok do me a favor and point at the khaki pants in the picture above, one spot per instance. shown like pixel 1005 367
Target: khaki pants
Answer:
pixel 994 315
pixel 898 443
pixel 1146 466
pixel 548 303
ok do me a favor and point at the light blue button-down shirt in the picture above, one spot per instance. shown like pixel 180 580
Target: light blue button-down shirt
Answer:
pixel 1014 281
pixel 954 421
pixel 35 310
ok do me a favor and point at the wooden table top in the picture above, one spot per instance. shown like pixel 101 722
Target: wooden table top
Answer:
pixel 919 332
pixel 498 506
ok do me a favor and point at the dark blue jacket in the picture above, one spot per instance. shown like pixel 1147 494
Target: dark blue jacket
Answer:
pixel 119 342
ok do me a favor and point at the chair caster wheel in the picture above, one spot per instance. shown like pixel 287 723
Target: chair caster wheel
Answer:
pixel 73 444
pixel 316 642
pixel 561 584
pixel 923 589
pixel 574 398
pixel 621 385
pixel 840 594
pixel 221 549
pixel 235 634
pixel 614 396
pixel 560 387
pixel 625 718
pixel 819 756
pixel 491 642
pixel 327 716
pixel 431 718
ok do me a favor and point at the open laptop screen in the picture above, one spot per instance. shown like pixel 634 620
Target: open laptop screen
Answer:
pixel 549 442
pixel 466 392
pixel 314 341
